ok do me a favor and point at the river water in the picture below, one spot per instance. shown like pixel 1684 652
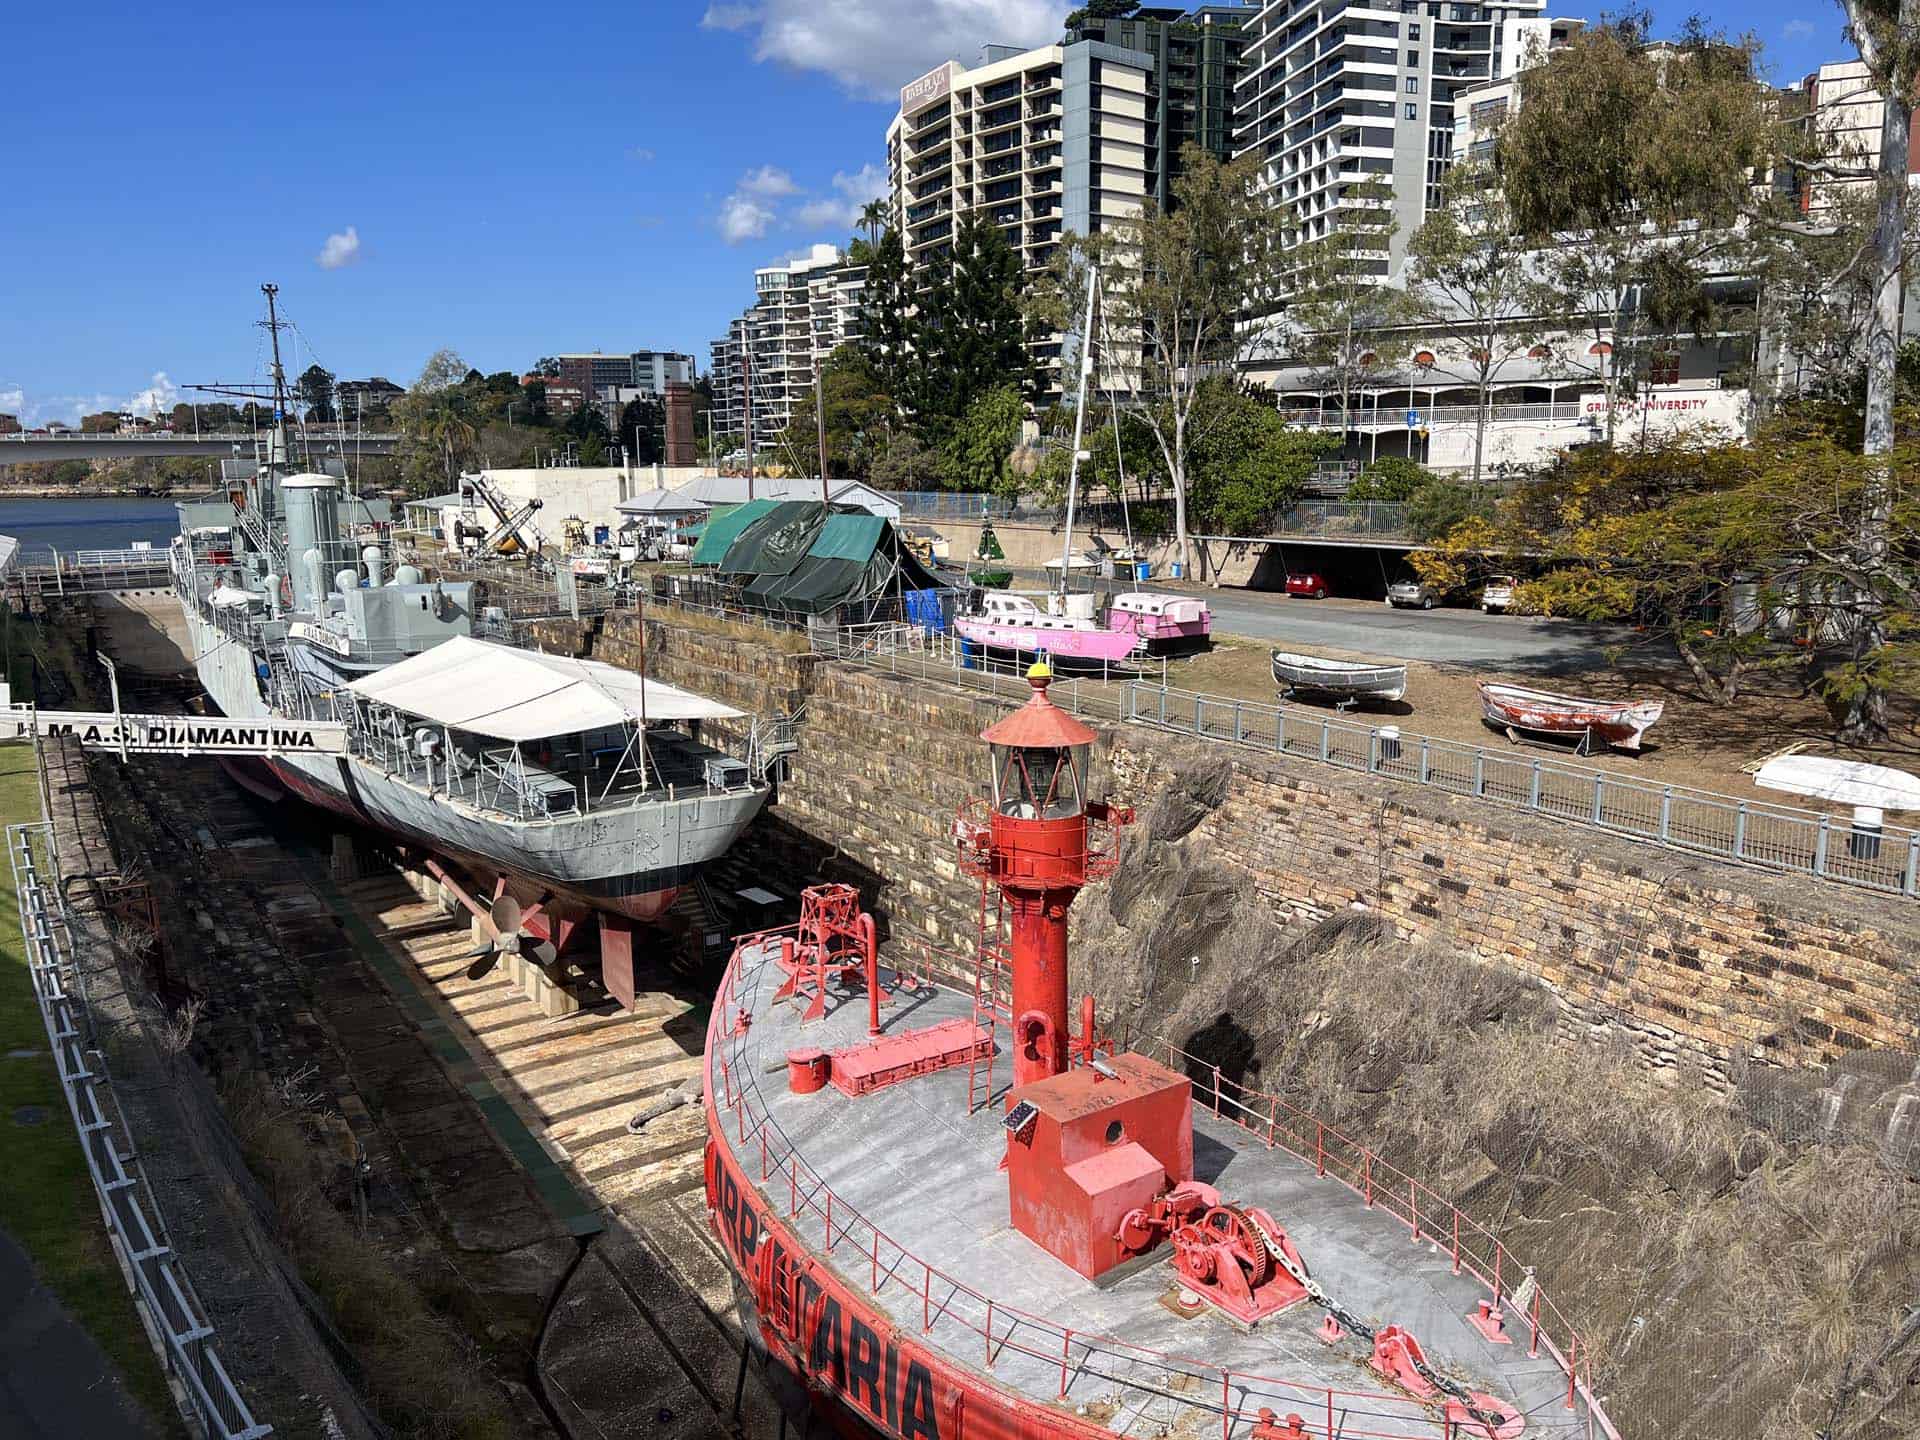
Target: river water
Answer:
pixel 105 523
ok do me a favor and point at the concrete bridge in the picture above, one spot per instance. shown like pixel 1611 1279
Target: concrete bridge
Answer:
pixel 75 445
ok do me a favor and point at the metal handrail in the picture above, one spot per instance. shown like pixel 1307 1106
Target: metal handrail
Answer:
pixel 1757 833
pixel 1677 817
pixel 733 1085
pixel 184 1332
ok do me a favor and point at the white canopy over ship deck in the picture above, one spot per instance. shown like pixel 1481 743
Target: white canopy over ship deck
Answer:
pixel 518 695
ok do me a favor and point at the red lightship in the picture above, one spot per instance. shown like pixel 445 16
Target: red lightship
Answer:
pixel 1110 1243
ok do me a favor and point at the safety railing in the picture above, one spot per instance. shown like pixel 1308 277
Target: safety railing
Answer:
pixel 1746 832
pixel 1030 1354
pixel 1430 1216
pixel 185 1334
pixel 1767 836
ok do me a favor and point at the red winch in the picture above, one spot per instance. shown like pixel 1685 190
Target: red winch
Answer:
pixel 1235 1258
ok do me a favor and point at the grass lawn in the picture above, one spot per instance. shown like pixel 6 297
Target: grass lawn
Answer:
pixel 47 1201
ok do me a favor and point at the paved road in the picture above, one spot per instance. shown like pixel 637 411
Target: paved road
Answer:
pixel 54 1381
pixel 1444 636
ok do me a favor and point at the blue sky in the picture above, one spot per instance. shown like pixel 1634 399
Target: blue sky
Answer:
pixel 506 180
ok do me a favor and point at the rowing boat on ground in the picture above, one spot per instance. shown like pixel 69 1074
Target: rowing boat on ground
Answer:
pixel 1344 680
pixel 1620 723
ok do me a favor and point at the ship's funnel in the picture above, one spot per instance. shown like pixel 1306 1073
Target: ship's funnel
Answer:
pixel 313 525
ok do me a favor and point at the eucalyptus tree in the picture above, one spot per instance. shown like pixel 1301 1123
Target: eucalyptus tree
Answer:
pixel 1186 289
pixel 1633 167
pixel 1471 286
pixel 1887 35
pixel 1345 323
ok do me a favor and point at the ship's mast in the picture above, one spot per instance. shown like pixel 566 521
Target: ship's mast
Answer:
pixel 278 454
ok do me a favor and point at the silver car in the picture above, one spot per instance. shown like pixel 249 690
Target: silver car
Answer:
pixel 1499 594
pixel 1409 591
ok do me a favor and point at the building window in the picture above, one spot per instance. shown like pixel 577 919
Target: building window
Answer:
pixel 1413 84
pixel 1413 112
pixel 1413 32
pixel 1413 59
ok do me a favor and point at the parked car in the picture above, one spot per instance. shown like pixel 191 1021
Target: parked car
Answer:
pixel 1499 593
pixel 1411 590
pixel 1310 582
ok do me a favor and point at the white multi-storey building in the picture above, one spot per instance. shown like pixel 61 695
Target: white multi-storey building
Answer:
pixel 807 308
pixel 1337 93
pixel 1037 142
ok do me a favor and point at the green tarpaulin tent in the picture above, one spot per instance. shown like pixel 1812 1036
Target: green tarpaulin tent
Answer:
pixel 723 528
pixel 798 555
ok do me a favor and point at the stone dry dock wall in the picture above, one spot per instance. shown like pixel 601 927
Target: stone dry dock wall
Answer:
pixel 1682 955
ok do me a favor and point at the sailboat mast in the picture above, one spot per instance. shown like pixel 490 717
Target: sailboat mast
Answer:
pixel 1079 426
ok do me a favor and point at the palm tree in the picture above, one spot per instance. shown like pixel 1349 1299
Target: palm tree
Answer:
pixel 874 216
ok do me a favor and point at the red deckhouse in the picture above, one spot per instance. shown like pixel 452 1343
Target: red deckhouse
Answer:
pixel 931 1251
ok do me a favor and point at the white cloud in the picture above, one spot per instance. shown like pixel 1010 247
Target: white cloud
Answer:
pixel 851 194
pixel 162 395
pixel 342 249
pixel 873 47
pixel 728 17
pixel 743 218
pixel 640 153
pixel 768 180
pixel 159 396
pixel 1797 29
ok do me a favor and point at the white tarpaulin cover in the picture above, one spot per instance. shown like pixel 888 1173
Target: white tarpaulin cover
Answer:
pixel 509 694
pixel 1844 782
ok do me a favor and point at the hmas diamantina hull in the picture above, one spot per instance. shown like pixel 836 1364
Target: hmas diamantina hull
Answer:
pixel 631 861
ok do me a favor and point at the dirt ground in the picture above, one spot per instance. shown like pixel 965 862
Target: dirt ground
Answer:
pixel 1696 742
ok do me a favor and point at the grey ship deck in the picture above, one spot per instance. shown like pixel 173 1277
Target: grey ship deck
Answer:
pixel 919 1208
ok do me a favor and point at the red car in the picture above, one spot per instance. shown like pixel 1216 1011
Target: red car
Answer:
pixel 1309 583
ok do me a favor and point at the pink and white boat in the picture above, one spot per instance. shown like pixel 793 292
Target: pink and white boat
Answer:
pixel 1620 723
pixel 1160 619
pixel 1014 622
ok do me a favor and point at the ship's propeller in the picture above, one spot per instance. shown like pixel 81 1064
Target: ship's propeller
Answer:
pixel 508 938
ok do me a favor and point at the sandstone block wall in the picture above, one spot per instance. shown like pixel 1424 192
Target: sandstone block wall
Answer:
pixel 1681 954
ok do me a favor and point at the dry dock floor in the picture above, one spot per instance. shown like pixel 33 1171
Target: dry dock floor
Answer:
pixel 557 1093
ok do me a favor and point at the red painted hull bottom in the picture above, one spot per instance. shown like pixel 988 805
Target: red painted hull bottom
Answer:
pixel 562 910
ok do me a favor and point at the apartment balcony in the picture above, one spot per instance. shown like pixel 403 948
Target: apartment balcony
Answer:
pixel 923 147
pixel 1008 120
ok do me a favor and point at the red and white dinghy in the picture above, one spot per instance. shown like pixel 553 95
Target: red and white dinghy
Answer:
pixel 1619 722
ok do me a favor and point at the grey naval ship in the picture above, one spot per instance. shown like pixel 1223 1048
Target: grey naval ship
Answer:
pixel 569 789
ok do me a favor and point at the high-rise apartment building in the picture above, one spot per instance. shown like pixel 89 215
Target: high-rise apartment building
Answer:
pixel 1037 142
pixel 729 385
pixel 807 308
pixel 1844 113
pixel 1196 65
pixel 1337 93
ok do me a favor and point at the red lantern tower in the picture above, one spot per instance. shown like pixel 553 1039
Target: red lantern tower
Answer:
pixel 1040 846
